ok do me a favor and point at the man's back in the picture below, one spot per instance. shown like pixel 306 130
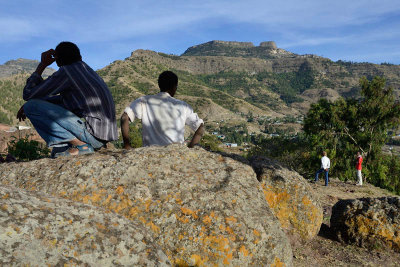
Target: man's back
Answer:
pixel 163 118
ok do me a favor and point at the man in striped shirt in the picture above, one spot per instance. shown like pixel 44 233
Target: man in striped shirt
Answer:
pixel 73 108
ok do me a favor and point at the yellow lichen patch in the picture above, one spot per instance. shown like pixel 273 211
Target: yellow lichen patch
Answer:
pixel 182 219
pixel 234 201
pixel 190 212
pixel 125 203
pixel 96 197
pixel 150 175
pixel 108 199
pixel 180 263
pixel 133 211
pixel 5 196
pixel 197 260
pixel 206 220
pixel 63 193
pixel 143 220
pixel 230 219
pixel 277 263
pixel 178 201
pixel 119 190
pixel 256 233
pixel 148 204
pixel 227 259
pixel 244 251
pixel 4 207
pixel 78 163
pixel 153 227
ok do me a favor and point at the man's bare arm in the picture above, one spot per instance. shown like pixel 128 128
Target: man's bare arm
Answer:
pixel 197 136
pixel 125 131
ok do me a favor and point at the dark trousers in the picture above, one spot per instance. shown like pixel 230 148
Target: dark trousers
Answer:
pixel 326 175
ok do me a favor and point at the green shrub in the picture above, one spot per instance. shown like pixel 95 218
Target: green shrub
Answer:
pixel 24 149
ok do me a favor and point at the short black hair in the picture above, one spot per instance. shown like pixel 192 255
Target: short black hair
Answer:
pixel 67 53
pixel 167 80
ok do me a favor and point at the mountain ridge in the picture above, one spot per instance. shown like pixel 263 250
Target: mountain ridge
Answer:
pixel 238 79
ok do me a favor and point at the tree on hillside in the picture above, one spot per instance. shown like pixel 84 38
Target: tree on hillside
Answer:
pixel 342 128
pixel 346 126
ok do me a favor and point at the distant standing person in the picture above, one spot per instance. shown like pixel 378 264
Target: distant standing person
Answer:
pixel 163 116
pixel 325 165
pixel 72 110
pixel 359 167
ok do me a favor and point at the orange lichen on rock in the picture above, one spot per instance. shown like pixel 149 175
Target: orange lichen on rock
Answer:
pixel 244 251
pixel 230 219
pixel 206 219
pixel 190 212
pixel 277 263
pixel 119 190
pixel 153 227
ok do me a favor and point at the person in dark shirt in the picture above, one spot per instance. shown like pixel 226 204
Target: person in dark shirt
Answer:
pixel 73 109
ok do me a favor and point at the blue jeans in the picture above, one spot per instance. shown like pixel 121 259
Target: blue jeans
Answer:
pixel 57 125
pixel 326 175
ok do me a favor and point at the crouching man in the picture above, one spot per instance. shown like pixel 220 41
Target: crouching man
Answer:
pixel 72 110
pixel 163 116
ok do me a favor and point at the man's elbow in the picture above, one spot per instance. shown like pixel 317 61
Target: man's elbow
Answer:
pixel 124 118
pixel 200 131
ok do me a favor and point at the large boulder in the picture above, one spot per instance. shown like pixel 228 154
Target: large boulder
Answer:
pixel 290 196
pixel 368 222
pixel 38 230
pixel 202 208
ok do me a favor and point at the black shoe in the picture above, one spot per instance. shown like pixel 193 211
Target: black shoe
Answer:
pixel 58 149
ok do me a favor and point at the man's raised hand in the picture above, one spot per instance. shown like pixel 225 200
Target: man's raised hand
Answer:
pixel 48 57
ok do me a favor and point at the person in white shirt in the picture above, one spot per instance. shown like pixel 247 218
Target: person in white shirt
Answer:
pixel 325 165
pixel 163 116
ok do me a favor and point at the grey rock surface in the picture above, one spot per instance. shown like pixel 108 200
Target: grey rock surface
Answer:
pixel 40 230
pixel 368 222
pixel 200 207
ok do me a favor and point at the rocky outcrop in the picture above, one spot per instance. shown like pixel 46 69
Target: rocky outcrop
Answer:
pixel 200 208
pixel 39 230
pixel 368 222
pixel 266 50
pixel 21 65
pixel 290 197
pixel 269 45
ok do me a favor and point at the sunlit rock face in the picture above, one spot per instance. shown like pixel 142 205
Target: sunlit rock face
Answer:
pixel 199 207
pixel 368 222
pixel 290 197
pixel 41 230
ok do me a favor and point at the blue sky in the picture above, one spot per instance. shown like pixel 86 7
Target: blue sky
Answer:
pixel 359 30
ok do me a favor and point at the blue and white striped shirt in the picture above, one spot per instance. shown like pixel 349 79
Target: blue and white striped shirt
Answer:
pixel 82 91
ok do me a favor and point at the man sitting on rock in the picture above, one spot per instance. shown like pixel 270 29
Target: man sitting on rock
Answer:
pixel 72 110
pixel 163 116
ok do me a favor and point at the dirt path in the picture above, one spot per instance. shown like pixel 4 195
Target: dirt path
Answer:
pixel 324 250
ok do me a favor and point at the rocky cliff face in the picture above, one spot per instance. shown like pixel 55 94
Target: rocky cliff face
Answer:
pixel 238 49
pixel 21 65
pixel 197 207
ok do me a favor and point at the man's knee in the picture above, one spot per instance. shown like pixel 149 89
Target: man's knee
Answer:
pixel 32 105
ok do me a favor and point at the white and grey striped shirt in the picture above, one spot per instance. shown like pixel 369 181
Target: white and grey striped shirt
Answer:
pixel 78 88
